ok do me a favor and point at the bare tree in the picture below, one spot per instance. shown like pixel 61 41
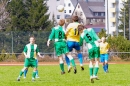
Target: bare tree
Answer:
pixel 4 15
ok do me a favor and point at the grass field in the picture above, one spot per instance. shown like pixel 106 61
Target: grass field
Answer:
pixel 119 75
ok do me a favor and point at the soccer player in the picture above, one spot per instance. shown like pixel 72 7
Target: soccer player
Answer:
pixel 92 41
pixel 104 47
pixel 30 51
pixel 58 34
pixel 73 38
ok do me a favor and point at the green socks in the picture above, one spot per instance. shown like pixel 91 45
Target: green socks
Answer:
pixel 91 71
pixel 96 71
pixel 21 73
pixel 34 74
pixel 73 63
pixel 62 67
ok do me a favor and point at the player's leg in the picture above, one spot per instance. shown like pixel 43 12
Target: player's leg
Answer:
pixel 102 60
pixel 37 76
pixel 73 62
pixel 91 69
pixel 59 51
pixel 96 56
pixel 96 68
pixel 80 56
pixel 34 65
pixel 25 72
pixel 106 62
pixel 61 64
pixel 91 64
pixel 26 65
pixel 70 45
pixel 34 73
pixel 21 73
pixel 67 62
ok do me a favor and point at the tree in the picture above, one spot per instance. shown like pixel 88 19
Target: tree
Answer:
pixel 28 15
pixel 102 33
pixel 125 10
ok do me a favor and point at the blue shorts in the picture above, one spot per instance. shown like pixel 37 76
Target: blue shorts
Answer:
pixel 72 45
pixel 104 57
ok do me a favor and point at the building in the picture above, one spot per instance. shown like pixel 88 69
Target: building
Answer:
pixel 52 9
pixel 112 10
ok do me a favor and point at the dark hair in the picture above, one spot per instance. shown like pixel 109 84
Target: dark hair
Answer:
pixel 75 18
pixel 61 22
pixel 80 27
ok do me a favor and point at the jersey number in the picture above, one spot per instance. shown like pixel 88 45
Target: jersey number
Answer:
pixel 60 34
pixel 89 37
pixel 75 32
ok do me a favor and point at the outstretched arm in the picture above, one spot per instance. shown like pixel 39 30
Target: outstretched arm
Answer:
pixel 51 37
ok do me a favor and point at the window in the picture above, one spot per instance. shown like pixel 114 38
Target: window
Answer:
pixel 64 5
pixel 69 11
pixel 69 4
pixel 96 14
pixel 102 14
pixel 64 11
pixel 58 0
pixel 58 16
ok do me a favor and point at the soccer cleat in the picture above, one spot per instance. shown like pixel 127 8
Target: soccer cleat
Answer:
pixel 82 68
pixel 69 69
pixel 75 70
pixel 37 77
pixel 91 79
pixel 18 79
pixel 33 79
pixel 96 77
pixel 62 73
pixel 106 71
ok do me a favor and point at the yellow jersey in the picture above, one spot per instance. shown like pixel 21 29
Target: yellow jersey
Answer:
pixel 72 33
pixel 104 47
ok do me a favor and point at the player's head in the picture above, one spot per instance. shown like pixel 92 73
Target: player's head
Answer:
pixel 32 40
pixel 61 22
pixel 75 18
pixel 103 39
pixel 80 28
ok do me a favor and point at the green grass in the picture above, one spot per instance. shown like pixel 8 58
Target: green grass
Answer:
pixel 50 76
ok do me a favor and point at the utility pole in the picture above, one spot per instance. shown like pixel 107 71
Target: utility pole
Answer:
pixel 124 23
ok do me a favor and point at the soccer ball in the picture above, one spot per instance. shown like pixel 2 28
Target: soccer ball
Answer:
pixel 60 8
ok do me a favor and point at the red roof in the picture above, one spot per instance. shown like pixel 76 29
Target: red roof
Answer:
pixel 95 26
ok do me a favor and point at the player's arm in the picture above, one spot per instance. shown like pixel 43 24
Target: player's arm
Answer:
pixel 38 52
pixel 95 35
pixel 108 46
pixel 81 39
pixel 25 52
pixel 51 37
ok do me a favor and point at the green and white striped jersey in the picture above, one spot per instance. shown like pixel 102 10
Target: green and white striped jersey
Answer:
pixel 90 38
pixel 57 33
pixel 31 50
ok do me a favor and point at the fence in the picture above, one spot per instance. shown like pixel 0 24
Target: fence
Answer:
pixel 14 42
